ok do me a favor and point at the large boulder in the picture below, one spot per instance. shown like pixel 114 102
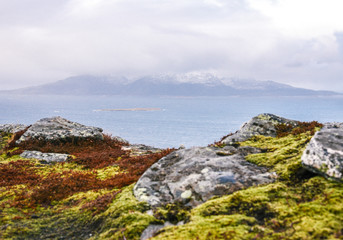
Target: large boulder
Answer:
pixel 263 124
pixel 324 154
pixel 60 129
pixel 192 176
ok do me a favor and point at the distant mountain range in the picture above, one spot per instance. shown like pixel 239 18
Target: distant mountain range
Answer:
pixel 200 84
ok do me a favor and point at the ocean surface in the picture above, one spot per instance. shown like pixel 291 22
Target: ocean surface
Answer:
pixel 196 121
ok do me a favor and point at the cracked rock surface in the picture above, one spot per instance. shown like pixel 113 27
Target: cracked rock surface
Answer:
pixel 324 154
pixel 59 129
pixel 192 176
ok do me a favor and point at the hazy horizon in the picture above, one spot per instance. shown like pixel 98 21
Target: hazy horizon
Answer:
pixel 299 43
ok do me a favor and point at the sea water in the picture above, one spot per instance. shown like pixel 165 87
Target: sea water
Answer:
pixel 196 121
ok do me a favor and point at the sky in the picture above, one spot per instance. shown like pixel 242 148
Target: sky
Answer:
pixel 296 42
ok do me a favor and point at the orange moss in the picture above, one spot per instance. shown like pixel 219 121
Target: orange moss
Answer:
pixel 283 130
pixel 17 172
pixel 90 153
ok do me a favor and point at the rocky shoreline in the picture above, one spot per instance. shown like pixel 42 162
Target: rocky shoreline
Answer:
pixel 273 178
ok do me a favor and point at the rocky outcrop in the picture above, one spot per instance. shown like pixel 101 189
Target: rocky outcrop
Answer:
pixel 140 149
pixel 324 153
pixel 192 176
pixel 12 128
pixel 46 157
pixel 60 129
pixel 263 124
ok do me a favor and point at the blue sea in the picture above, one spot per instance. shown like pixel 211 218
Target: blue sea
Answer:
pixel 196 121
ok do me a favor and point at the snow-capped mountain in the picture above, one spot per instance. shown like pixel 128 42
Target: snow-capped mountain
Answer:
pixel 188 84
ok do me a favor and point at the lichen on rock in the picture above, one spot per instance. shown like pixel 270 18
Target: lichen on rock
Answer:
pixel 263 124
pixel 59 129
pixel 192 176
pixel 11 128
pixel 46 157
pixel 324 153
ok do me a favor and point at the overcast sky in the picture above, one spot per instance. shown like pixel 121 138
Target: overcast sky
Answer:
pixel 298 42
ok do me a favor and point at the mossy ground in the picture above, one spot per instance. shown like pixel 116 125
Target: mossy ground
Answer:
pixel 123 218
pixel 282 155
pixel 84 198
pixel 312 209
pixel 298 205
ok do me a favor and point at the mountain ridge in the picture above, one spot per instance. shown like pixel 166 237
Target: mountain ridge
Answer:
pixel 204 84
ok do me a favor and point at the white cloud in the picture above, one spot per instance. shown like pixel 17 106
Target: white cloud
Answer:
pixel 275 40
pixel 215 3
pixel 302 18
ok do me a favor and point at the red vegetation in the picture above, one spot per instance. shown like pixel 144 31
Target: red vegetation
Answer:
pixel 92 154
pixel 219 143
pixel 18 172
pixel 134 167
pixel 89 152
pixel 100 204
pixel 302 127
pixel 57 186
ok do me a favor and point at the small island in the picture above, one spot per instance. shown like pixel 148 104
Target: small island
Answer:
pixel 128 109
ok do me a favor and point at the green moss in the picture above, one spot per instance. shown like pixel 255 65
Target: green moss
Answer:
pixel 173 213
pixel 212 227
pixel 310 210
pixel 78 200
pixel 51 225
pixel 66 219
pixel 268 118
pixel 294 207
pixel 125 217
pixel 4 137
pixel 6 159
pixel 108 172
pixel 282 155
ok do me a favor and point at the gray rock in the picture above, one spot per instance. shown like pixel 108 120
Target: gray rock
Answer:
pixel 141 149
pixel 12 128
pixel 324 154
pixel 46 157
pixel 60 129
pixel 154 228
pixel 192 176
pixel 263 124
pixel 122 140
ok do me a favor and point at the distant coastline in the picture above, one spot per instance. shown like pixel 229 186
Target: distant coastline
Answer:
pixel 167 85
